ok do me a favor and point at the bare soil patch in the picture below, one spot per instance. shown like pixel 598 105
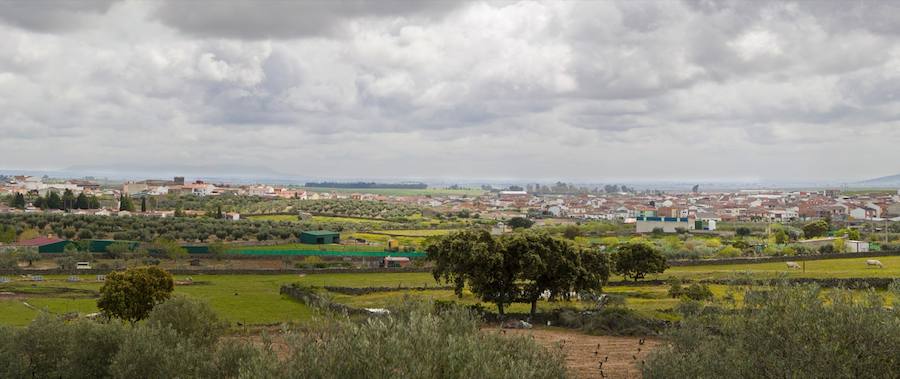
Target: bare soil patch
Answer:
pixel 622 357
pixel 11 296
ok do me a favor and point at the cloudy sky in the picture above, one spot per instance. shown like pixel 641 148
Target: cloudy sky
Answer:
pixel 588 91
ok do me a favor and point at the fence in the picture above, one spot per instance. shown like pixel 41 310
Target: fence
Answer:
pixel 796 258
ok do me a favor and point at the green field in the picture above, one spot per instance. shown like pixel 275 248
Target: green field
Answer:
pixel 245 299
pixel 826 268
pixel 255 299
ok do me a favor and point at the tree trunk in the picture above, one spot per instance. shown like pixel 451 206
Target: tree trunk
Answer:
pixel 500 310
pixel 533 308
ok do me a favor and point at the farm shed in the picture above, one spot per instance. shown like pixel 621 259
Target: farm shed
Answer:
pixel 390 261
pixel 46 244
pixel 320 237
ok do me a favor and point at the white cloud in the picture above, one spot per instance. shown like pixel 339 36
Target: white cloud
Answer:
pixel 569 90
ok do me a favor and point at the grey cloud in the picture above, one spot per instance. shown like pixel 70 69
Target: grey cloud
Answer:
pixel 493 89
pixel 51 16
pixel 280 19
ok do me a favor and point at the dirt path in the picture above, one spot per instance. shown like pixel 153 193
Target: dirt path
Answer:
pixel 584 352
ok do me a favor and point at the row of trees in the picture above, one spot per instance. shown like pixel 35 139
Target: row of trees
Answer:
pixel 261 205
pixel 53 200
pixel 521 267
pixel 150 228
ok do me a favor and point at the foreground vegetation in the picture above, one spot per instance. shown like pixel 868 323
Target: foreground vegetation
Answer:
pixel 184 338
pixel 784 332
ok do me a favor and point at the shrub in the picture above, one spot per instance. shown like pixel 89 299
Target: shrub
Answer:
pixel 675 288
pixel 393 346
pixel 9 260
pixel 149 352
pixel 786 332
pixel 729 252
pixel 190 318
pixel 698 292
pixel 610 321
pixel 50 347
pixel 415 341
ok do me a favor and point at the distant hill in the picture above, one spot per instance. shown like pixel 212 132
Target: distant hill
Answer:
pixel 893 180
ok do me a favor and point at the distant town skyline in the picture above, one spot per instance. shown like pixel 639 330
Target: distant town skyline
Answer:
pixel 526 91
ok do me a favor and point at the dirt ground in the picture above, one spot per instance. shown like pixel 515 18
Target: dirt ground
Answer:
pixel 621 356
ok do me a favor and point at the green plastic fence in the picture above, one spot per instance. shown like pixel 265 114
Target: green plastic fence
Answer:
pixel 414 254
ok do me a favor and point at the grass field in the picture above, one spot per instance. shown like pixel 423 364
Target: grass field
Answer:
pixel 245 299
pixel 255 299
pixel 415 242
pixel 826 268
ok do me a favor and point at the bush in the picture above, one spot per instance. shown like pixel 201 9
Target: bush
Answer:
pixel 698 292
pixel 729 252
pixel 393 346
pixel 418 340
pixel 149 352
pixel 610 321
pixel 49 347
pixel 191 319
pixel 9 260
pixel 786 332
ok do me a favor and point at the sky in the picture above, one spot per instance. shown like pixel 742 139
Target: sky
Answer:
pixel 589 91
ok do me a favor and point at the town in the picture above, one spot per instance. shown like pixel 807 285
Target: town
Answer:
pixel 559 201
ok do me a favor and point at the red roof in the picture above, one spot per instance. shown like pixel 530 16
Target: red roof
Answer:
pixel 40 241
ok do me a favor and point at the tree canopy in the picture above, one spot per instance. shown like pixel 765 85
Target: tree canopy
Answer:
pixel 519 222
pixel 815 229
pixel 636 259
pixel 517 267
pixel 132 294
